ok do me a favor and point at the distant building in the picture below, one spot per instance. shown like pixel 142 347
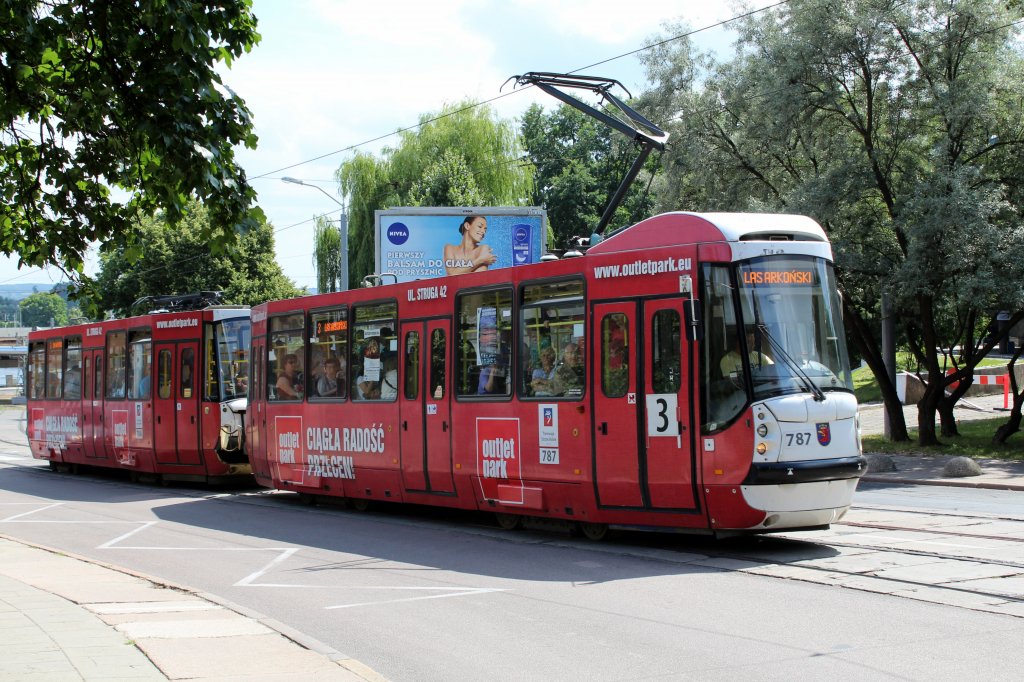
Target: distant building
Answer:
pixel 13 351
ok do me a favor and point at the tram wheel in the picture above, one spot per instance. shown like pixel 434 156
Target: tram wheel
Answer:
pixel 360 503
pixel 54 466
pixel 508 521
pixel 593 531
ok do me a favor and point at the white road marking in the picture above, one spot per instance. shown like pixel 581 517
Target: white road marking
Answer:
pixel 248 580
pixel 451 592
pixel 33 511
pixel 119 538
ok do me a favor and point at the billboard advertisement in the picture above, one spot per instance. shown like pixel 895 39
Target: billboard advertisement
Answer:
pixel 419 243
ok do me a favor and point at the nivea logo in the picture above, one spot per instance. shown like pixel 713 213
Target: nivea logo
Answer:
pixel 521 233
pixel 398 234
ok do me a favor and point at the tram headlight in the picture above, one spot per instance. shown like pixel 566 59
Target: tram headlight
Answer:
pixel 762 448
pixel 762 430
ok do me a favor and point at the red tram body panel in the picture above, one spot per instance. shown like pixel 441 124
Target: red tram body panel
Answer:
pixel 688 372
pixel 150 394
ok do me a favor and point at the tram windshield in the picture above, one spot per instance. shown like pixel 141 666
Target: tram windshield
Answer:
pixel 773 326
pixel 227 375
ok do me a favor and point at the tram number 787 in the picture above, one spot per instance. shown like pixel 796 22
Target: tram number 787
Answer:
pixel 800 438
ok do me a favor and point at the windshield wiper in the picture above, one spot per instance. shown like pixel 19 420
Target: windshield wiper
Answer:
pixel 790 362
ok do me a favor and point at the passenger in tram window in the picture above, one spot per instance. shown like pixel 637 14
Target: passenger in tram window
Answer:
pixel 469 255
pixel 327 384
pixel 545 374
pixel 289 381
pixel 389 382
pixel 143 388
pixel 367 389
pixel 241 384
pixel 568 378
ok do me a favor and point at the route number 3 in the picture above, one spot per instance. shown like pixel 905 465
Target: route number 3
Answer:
pixel 662 414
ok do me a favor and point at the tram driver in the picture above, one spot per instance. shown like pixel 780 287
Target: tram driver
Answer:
pixel 732 362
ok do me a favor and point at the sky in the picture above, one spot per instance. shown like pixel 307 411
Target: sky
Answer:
pixel 330 77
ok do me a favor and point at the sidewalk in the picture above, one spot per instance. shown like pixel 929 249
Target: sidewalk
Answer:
pixel 931 470
pixel 66 618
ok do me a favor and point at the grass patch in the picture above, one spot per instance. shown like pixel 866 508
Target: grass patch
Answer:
pixel 975 441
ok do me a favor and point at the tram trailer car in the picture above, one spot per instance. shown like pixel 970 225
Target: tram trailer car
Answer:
pixel 161 396
pixel 689 372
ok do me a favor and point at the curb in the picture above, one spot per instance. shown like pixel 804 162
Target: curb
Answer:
pixel 986 485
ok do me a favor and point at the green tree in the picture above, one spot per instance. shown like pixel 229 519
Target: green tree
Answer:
pixel 43 310
pixel 177 260
pixel 898 127
pixel 462 154
pixel 578 164
pixel 105 95
pixel 327 255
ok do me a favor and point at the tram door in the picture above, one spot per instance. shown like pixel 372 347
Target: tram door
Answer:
pixel 643 453
pixel 425 407
pixel 92 404
pixel 187 403
pixel 165 431
pixel 256 417
pixel 92 411
pixel 175 405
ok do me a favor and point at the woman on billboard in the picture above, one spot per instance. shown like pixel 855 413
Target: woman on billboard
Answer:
pixel 469 255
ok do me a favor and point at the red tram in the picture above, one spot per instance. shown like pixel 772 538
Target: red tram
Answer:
pixel 687 372
pixel 159 395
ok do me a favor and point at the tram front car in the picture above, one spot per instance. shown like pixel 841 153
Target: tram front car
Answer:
pixel 776 388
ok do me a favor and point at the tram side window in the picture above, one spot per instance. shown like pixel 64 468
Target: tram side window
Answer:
pixel 212 376
pixel 484 352
pixel 187 372
pixel 226 356
pixel 412 365
pixel 116 365
pixel 438 355
pixel 666 352
pixel 285 359
pixel 374 352
pixel 140 364
pixel 723 395
pixel 328 354
pixel 554 340
pixel 615 355
pixel 164 375
pixel 37 371
pixel 97 380
pixel 73 368
pixel 54 353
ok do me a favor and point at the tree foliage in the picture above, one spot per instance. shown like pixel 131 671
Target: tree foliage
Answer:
pixel 105 96
pixel 579 163
pixel 463 155
pixel 898 126
pixel 43 310
pixel 327 255
pixel 177 260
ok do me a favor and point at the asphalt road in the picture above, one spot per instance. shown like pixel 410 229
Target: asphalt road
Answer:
pixel 426 595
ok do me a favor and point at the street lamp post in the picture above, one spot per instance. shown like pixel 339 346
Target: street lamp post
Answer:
pixel 342 228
